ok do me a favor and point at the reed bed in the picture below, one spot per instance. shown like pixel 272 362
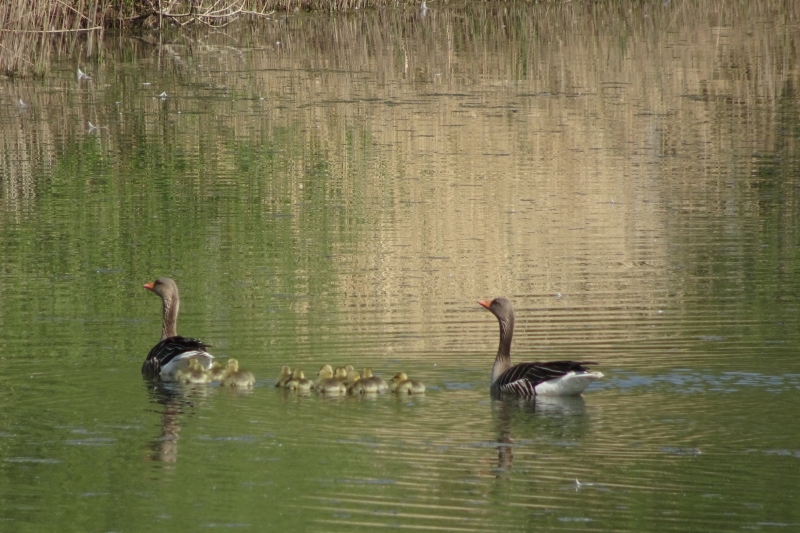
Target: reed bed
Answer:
pixel 34 31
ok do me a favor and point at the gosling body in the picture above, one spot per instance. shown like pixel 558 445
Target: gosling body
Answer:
pixel 216 371
pixel 284 377
pixel 237 378
pixel 195 373
pixel 299 382
pixel 353 379
pixel 402 385
pixel 327 384
pixel 370 384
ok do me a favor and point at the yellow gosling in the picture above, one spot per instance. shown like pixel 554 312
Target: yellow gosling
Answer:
pixel 327 384
pixel 372 384
pixel 216 371
pixel 284 377
pixel 340 374
pixel 237 378
pixel 333 387
pixel 196 374
pixel 326 372
pixel 353 378
pixel 182 372
pixel 402 385
pixel 400 376
pixel 299 382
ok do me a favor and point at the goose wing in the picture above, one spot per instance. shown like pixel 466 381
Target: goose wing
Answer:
pixel 167 350
pixel 523 378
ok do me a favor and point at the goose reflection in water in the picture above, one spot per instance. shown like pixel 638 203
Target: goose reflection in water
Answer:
pixel 173 399
pixel 565 411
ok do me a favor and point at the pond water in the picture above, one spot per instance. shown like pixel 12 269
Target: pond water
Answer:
pixel 344 189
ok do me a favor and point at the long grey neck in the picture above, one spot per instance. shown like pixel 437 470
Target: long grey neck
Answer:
pixel 503 360
pixel 169 325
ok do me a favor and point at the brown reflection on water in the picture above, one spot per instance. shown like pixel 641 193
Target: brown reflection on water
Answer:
pixel 505 412
pixel 477 151
pixel 173 399
pixel 526 93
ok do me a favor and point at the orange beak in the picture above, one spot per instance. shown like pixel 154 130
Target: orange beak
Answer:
pixel 149 286
pixel 485 303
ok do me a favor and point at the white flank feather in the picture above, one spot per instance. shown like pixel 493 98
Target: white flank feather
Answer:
pixel 570 384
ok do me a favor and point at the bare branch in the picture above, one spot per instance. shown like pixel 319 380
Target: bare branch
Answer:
pixel 74 30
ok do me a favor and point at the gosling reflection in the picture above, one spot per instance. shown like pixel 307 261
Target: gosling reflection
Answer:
pixel 510 412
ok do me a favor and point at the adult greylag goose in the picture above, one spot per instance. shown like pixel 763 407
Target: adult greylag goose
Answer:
pixel 553 378
pixel 173 352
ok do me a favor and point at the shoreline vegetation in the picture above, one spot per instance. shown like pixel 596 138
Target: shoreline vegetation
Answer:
pixel 34 31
